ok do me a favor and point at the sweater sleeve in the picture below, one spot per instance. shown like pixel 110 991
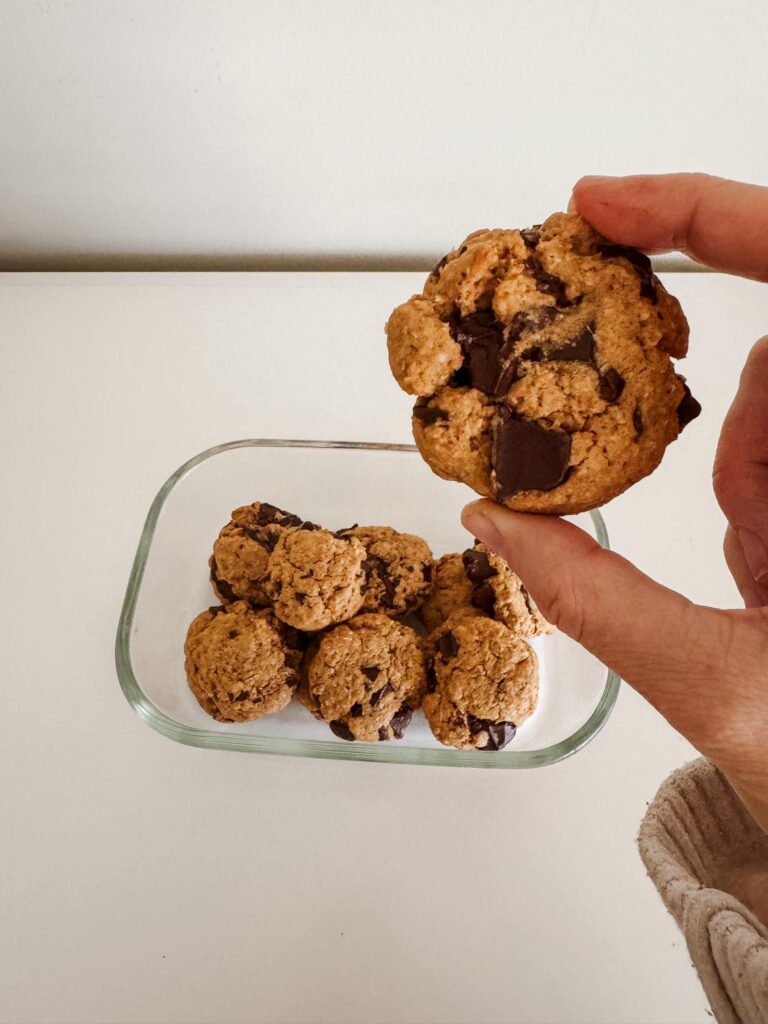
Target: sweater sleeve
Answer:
pixel 709 861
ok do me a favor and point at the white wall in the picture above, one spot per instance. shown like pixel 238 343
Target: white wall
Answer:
pixel 237 128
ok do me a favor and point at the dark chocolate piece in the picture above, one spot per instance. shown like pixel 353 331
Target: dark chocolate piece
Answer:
pixel 233 634
pixel 356 710
pixel 428 414
pixel 375 698
pixel 481 337
pixel 641 263
pixel 477 566
pixel 223 588
pixel 610 385
pixel 548 283
pixel 637 421
pixel 531 236
pixel 447 646
pixel 484 598
pixel 499 733
pixel 689 408
pixel 371 671
pixel 383 733
pixel 341 730
pixel 528 456
pixel 439 266
pixel 374 565
pixel 401 720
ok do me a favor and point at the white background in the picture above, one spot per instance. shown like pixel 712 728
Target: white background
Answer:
pixel 145 882
pixel 290 132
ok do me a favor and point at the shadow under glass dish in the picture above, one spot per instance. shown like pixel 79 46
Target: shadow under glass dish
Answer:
pixel 336 484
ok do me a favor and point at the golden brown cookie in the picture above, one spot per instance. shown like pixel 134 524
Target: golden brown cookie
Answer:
pixel 241 551
pixel 451 590
pixel 398 569
pixel 315 578
pixel 484 683
pixel 500 593
pixel 241 663
pixel 542 364
pixel 365 678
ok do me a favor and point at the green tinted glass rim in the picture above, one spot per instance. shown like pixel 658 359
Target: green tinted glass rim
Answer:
pixel 330 750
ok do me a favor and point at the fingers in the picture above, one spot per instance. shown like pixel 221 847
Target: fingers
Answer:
pixel 660 643
pixel 753 595
pixel 716 221
pixel 740 475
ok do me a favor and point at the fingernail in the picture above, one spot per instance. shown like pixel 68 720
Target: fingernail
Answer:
pixel 481 519
pixel 755 553
pixel 752 597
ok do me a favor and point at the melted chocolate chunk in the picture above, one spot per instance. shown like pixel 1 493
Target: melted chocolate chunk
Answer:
pixel 531 236
pixel 637 421
pixel 428 414
pixel 401 720
pixel 528 456
pixel 372 672
pixel 221 585
pixel 481 337
pixel 341 730
pixel 356 710
pixel 689 408
pixel 610 385
pixel 269 514
pixel 436 270
pixel 376 566
pixel 309 527
pixel 548 283
pixel 376 697
pixel 641 263
pixel 233 634
pixel 477 566
pixel 484 598
pixel 447 646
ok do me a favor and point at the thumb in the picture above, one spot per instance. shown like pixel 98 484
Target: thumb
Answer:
pixel 655 639
pixel 740 476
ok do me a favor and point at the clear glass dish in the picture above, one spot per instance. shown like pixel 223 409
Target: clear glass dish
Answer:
pixel 334 483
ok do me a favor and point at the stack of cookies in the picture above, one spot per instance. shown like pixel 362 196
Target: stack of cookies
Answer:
pixel 366 628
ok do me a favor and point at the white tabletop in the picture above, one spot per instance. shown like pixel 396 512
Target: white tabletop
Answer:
pixel 144 881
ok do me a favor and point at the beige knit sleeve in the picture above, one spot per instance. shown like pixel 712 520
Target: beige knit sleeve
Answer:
pixel 709 861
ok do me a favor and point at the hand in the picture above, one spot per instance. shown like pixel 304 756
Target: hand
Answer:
pixel 704 669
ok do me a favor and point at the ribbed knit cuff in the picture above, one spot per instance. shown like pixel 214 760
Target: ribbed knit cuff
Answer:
pixel 696 840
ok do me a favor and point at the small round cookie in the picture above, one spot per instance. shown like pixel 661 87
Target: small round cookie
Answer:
pixel 500 593
pixel 241 551
pixel 314 578
pixel 241 663
pixel 398 569
pixel 542 362
pixel 451 591
pixel 484 683
pixel 365 678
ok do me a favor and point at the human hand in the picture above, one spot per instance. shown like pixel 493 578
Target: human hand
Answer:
pixel 704 669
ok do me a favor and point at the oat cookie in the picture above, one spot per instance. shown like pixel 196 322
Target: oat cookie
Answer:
pixel 484 683
pixel 500 593
pixel 315 578
pixel 542 364
pixel 398 568
pixel 365 678
pixel 241 663
pixel 241 551
pixel 451 591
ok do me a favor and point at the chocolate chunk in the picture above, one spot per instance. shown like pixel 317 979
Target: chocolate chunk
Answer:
pixel 689 408
pixel 301 597
pixel 637 421
pixel 528 456
pixel 484 598
pixel 477 566
pixel 401 720
pixel 428 414
pixel 233 634
pixel 356 710
pixel 268 514
pixel 371 671
pixel 525 322
pixel 376 566
pixel 481 337
pixel 610 385
pixel 531 236
pixel 309 527
pixel 277 586
pixel 243 695
pixel 447 646
pixel 548 283
pixel 436 271
pixel 431 680
pixel 383 732
pixel 341 730
pixel 499 733
pixel 641 263
pixel 427 573
pixel 580 349
pixel 376 697
pixel 221 586
pixel 216 609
